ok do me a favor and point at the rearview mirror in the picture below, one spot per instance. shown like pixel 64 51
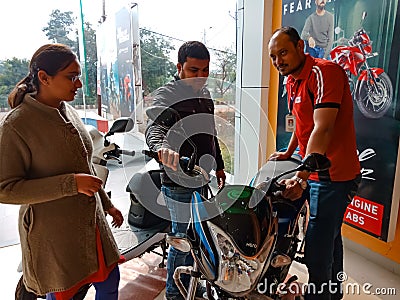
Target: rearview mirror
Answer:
pixel 121 125
pixel 316 162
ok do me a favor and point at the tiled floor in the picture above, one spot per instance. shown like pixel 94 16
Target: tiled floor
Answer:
pixel 364 278
pixel 142 279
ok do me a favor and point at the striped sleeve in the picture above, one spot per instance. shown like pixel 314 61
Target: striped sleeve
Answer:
pixel 326 84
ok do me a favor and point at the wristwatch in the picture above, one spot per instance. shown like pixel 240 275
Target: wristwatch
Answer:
pixel 302 182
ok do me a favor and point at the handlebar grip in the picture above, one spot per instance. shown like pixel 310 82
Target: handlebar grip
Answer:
pixel 183 160
pixel 150 153
pixel 126 152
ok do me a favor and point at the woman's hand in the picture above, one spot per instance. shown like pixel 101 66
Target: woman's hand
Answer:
pixel 87 184
pixel 116 214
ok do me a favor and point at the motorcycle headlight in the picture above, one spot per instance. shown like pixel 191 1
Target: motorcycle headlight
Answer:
pixel 237 274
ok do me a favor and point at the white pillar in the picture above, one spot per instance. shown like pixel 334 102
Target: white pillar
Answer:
pixel 251 119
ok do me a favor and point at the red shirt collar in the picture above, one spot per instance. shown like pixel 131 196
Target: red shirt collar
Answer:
pixel 305 72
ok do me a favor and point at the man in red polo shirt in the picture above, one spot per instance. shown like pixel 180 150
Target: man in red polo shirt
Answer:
pixel 320 103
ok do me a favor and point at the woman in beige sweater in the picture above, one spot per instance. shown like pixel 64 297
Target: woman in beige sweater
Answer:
pixel 45 166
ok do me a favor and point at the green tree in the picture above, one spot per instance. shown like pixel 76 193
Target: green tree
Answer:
pixel 61 28
pixel 157 68
pixel 225 72
pixel 11 72
pixel 91 59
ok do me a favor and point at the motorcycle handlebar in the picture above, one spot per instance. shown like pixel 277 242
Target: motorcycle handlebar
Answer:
pixel 183 160
pixel 152 154
pixel 276 187
pixel 116 153
pixel 127 152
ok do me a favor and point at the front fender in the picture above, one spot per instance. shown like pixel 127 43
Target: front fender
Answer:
pixel 375 72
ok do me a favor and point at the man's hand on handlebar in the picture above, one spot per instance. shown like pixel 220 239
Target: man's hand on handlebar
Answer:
pixel 293 189
pixel 169 158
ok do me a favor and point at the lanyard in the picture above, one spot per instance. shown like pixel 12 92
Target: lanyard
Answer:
pixel 293 92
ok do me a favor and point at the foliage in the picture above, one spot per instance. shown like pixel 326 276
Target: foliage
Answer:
pixel 225 72
pixel 227 157
pixel 157 69
pixel 11 72
pixel 91 59
pixel 62 28
pixel 225 124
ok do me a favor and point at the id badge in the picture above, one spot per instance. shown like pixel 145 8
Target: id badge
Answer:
pixel 290 123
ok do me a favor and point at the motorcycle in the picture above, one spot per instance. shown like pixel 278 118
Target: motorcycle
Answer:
pixel 373 91
pixel 245 238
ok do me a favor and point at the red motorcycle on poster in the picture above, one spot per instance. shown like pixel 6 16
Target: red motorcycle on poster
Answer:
pixel 373 91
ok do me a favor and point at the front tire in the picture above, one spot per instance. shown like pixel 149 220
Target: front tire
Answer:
pixel 374 101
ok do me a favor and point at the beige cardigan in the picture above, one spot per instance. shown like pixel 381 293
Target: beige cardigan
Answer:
pixel 40 152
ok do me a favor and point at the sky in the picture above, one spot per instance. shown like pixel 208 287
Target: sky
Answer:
pixel 22 21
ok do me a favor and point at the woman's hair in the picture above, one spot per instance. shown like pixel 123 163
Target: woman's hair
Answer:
pixel 193 49
pixel 51 58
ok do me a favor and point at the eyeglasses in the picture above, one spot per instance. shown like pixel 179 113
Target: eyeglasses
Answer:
pixel 74 78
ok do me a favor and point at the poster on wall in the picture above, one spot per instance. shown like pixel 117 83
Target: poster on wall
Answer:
pixel 116 76
pixel 359 36
pixel 124 59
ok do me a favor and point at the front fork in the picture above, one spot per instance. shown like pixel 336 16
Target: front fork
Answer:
pixel 370 74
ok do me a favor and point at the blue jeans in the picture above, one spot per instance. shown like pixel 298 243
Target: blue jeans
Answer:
pixel 323 244
pixel 178 203
pixel 316 52
pixel 105 290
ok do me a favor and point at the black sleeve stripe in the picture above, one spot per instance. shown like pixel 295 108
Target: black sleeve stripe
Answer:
pixel 327 104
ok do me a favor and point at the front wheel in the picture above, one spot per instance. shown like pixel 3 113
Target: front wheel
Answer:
pixel 374 95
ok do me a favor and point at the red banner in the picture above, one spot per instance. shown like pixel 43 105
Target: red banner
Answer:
pixel 365 214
